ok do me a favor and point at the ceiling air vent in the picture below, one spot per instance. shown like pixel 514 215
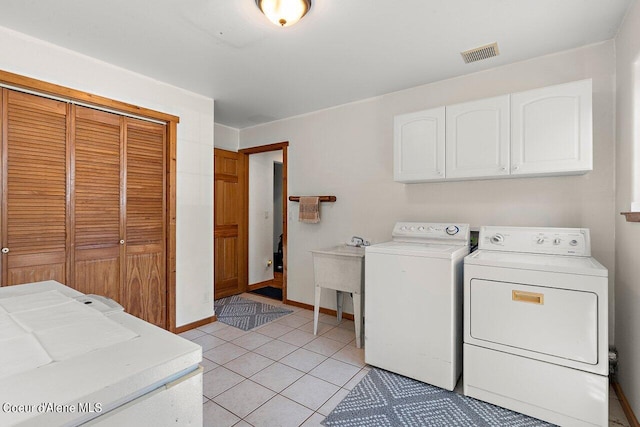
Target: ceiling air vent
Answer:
pixel 480 53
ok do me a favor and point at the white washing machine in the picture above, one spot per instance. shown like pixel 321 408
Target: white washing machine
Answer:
pixel 535 324
pixel 413 302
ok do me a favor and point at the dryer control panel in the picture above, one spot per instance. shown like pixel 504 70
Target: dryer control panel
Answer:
pixel 539 240
pixel 431 231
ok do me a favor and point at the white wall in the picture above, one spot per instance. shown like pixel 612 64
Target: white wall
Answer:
pixel 627 291
pixel 261 215
pixel 226 138
pixel 347 151
pixel 30 57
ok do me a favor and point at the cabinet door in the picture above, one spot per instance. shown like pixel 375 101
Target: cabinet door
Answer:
pixel 551 130
pixel 98 203
pixel 418 146
pixel 34 189
pixel 145 284
pixel 478 138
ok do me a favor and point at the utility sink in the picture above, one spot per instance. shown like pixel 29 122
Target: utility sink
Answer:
pixel 340 268
pixel 341 250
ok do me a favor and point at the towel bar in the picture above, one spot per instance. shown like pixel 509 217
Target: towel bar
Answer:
pixel 322 198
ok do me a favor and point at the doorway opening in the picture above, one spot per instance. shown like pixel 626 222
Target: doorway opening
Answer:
pixel 266 220
pixel 274 289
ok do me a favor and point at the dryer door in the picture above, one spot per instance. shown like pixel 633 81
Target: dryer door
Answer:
pixel 556 322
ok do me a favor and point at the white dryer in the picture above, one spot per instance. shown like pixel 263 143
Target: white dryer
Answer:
pixel 413 302
pixel 535 324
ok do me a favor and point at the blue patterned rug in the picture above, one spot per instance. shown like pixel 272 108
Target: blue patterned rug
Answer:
pixel 386 399
pixel 246 314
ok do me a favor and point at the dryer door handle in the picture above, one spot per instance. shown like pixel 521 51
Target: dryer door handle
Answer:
pixel 530 297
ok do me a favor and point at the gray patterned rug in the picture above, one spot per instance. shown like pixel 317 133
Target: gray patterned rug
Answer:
pixel 386 399
pixel 246 314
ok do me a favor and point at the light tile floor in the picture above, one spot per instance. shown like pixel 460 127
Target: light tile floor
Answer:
pixel 280 374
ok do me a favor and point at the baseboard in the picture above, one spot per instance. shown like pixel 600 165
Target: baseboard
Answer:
pixel 194 325
pixel 330 312
pixel 626 407
pixel 259 285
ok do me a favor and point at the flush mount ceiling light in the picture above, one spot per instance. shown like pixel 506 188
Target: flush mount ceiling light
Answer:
pixel 284 13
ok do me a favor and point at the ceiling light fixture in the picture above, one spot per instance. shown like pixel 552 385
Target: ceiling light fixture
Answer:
pixel 284 13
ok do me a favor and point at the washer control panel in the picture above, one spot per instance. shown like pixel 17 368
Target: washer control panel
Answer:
pixel 558 241
pixel 427 231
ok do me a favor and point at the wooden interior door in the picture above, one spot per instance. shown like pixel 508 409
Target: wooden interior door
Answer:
pixel 145 285
pixel 98 225
pixel 34 188
pixel 229 203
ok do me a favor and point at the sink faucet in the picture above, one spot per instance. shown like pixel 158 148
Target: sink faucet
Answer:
pixel 359 241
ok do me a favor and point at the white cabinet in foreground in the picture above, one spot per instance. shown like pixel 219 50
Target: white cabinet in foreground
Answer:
pixel 551 130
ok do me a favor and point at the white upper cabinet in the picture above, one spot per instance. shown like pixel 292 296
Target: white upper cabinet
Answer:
pixel 419 146
pixel 545 131
pixel 551 130
pixel 477 138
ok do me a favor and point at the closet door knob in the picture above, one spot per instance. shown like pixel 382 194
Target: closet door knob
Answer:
pixel 122 242
pixel 5 250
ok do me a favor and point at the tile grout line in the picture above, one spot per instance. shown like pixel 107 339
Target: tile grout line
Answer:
pixel 333 326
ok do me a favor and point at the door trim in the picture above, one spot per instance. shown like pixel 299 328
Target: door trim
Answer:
pixel 67 94
pixel 284 145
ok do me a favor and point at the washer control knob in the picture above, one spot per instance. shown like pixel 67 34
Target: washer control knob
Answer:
pixel 421 228
pixel 540 240
pixel 412 228
pixel 403 228
pixel 497 239
pixel 452 230
pixel 556 241
pixel 573 243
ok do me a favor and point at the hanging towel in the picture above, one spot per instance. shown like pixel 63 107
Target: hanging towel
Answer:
pixel 309 209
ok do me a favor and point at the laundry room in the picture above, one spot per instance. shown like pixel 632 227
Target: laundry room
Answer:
pixel 339 191
pixel 327 146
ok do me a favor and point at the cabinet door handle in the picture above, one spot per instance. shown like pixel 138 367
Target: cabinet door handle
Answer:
pixel 122 242
pixel 530 297
pixel 5 250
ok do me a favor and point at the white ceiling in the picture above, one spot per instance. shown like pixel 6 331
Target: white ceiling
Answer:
pixel 342 51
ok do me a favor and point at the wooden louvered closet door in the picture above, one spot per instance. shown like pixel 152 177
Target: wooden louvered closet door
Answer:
pixel 145 282
pixel 97 188
pixel 83 201
pixel 34 188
